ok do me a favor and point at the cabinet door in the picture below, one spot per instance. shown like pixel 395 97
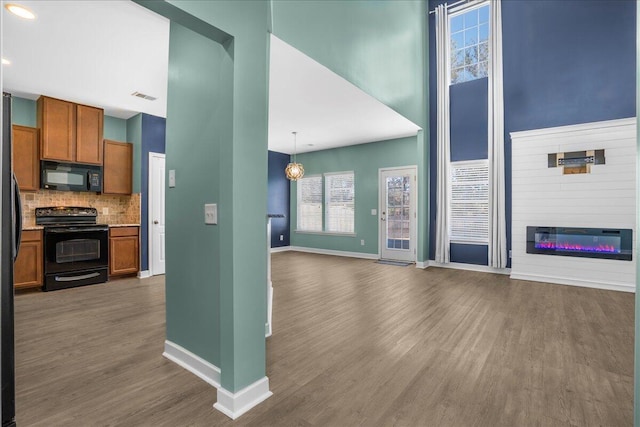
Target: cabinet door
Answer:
pixel 25 158
pixel 27 270
pixel 118 164
pixel 89 127
pixel 123 255
pixel 57 123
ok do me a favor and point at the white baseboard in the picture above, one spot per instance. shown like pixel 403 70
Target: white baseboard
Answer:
pixel 192 363
pixel 144 274
pixel 280 249
pixel 333 252
pixel 422 264
pixel 621 287
pixel 470 267
pixel 235 404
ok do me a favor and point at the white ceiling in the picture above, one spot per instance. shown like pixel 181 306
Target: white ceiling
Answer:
pixel 100 52
pixel 90 52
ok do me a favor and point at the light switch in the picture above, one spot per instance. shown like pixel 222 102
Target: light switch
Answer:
pixel 211 213
pixel 172 178
pixel 374 212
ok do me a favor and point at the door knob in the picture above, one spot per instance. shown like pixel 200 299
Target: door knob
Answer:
pixel 155 222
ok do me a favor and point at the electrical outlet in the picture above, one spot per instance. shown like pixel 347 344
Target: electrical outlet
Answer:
pixel 105 211
pixel 211 213
pixel 374 212
pixel 281 237
pixel 362 242
pixel 172 178
pixel 509 253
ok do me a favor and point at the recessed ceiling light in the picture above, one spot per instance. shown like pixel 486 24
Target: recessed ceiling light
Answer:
pixel 20 11
pixel 6 61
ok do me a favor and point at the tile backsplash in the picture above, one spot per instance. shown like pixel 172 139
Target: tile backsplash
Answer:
pixel 122 209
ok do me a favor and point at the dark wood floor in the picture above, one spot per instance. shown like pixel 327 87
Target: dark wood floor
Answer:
pixel 354 343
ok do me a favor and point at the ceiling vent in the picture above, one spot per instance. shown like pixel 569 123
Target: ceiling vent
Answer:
pixel 144 96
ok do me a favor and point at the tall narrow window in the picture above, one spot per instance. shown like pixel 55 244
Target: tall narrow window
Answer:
pixel 310 203
pixel 469 44
pixel 339 202
pixel 470 201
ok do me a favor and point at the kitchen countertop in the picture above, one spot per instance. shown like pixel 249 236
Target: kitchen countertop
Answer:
pixel 32 227
pixel 124 225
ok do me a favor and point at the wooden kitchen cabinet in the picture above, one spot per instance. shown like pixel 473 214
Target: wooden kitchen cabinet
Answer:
pixel 89 129
pixel 124 253
pixel 118 167
pixel 27 270
pixel 25 160
pixel 70 132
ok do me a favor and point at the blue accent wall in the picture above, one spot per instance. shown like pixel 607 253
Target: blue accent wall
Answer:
pixel 278 198
pixel 153 140
pixel 564 62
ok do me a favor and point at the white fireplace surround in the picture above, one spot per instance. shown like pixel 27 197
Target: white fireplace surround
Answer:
pixel 543 196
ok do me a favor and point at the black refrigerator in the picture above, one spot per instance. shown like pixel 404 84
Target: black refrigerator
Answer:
pixel 10 238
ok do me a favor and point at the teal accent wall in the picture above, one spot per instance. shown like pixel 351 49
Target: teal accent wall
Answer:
pixel 115 129
pixel 134 136
pixel 23 112
pixel 379 46
pixel 228 143
pixel 364 160
pixel 192 284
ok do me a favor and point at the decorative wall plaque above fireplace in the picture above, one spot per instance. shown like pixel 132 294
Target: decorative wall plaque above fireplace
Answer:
pixel 605 243
pixel 576 161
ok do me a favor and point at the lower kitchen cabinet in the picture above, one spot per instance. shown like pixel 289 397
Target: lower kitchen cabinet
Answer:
pixel 27 270
pixel 124 252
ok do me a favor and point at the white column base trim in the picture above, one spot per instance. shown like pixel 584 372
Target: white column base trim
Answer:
pixel 144 274
pixel 235 404
pixel 422 264
pixel 574 282
pixel 334 252
pixel 470 267
pixel 280 249
pixel 192 363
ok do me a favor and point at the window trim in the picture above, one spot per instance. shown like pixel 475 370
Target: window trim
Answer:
pixel 324 232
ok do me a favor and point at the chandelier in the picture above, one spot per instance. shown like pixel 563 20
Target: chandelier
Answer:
pixel 294 171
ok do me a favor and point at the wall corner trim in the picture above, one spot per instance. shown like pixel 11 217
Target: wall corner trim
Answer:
pixel 192 363
pixel 334 252
pixel 144 274
pixel 235 404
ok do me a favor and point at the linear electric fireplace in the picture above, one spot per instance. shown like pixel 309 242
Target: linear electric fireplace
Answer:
pixel 604 243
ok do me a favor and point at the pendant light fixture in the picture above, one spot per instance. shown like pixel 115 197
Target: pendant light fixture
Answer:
pixel 294 171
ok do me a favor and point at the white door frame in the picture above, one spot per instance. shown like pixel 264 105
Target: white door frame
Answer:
pixel 382 205
pixel 150 212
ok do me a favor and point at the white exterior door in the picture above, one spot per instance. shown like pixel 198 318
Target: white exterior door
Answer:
pixel 156 213
pixel 398 214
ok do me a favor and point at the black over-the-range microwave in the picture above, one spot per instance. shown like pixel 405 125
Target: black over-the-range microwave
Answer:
pixel 70 176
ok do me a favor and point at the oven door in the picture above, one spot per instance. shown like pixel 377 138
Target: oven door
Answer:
pixel 71 249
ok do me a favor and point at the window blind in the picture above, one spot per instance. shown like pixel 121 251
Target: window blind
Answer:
pixel 469 220
pixel 310 203
pixel 339 202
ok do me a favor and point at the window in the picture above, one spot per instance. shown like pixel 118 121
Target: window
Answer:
pixel 339 202
pixel 469 220
pixel 310 203
pixel 469 44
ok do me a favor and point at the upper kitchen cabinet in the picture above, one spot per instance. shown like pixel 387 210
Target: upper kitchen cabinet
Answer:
pixel 70 132
pixel 25 159
pixel 118 167
pixel 89 128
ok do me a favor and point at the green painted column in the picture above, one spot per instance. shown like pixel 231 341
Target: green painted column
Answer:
pixel 217 144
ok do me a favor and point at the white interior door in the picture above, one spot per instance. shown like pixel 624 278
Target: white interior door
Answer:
pixel 156 213
pixel 398 214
